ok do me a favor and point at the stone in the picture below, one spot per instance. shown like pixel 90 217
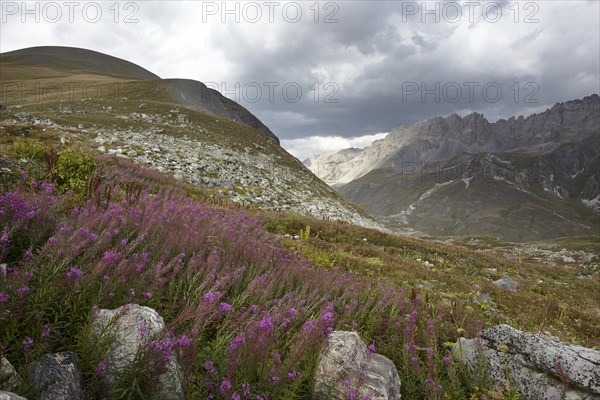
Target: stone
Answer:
pixel 345 364
pixel 507 283
pixel 183 119
pixel 537 364
pixel 10 396
pixel 57 376
pixel 9 378
pixel 124 327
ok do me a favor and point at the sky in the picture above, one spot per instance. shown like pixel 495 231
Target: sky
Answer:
pixel 334 74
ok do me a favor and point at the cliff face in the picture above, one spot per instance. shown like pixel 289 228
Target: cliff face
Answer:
pixel 465 175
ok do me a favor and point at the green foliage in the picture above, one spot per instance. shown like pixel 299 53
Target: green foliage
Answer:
pixel 73 170
pixel 29 149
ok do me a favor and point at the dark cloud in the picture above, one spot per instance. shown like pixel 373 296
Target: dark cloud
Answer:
pixel 372 58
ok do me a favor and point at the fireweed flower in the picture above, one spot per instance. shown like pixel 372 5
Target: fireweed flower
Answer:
pixel 246 389
pixel 101 368
pixel 308 326
pixel 266 324
pixel 211 296
pixel 225 308
pixel 210 367
pixel 183 341
pixel 23 290
pixel 45 331
pixel 293 374
pixel 237 341
pixel 225 385
pixel 74 273
pixel 111 257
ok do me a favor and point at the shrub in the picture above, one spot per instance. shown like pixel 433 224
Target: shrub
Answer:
pixel 29 149
pixel 73 170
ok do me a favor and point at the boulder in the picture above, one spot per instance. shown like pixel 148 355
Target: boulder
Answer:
pixel 346 366
pixel 10 396
pixel 126 327
pixel 507 283
pixel 8 376
pixel 57 376
pixel 539 366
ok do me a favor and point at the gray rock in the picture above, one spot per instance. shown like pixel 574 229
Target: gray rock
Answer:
pixel 183 119
pixel 346 364
pixel 507 284
pixel 10 396
pixel 57 377
pixel 8 376
pixel 123 325
pixel 537 364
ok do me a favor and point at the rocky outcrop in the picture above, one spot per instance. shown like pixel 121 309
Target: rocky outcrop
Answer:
pixel 8 376
pixel 347 369
pixel 128 327
pixel 539 366
pixel 248 177
pixel 10 396
pixel 57 377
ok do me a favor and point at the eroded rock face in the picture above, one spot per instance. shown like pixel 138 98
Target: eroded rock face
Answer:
pixel 57 376
pixel 128 326
pixel 346 366
pixel 540 367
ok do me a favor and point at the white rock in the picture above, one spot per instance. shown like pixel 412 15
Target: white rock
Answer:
pixel 123 325
pixel 536 363
pixel 346 359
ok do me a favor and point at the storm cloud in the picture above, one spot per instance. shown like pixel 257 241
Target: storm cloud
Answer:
pixel 341 69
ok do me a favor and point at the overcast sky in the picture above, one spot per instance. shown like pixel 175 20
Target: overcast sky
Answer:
pixel 334 74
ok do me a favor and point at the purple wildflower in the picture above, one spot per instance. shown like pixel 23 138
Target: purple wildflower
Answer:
pixel 246 389
pixel 237 341
pixel 372 348
pixel 45 331
pixel 183 341
pixel 27 342
pixel 23 290
pixel 74 273
pixel 101 368
pixel 211 296
pixel 111 257
pixel 225 308
pixel 225 385
pixel 4 298
pixel 266 324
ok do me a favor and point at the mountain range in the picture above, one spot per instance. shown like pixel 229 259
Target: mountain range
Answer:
pixel 521 178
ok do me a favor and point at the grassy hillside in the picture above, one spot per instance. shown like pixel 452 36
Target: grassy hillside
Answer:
pixel 255 292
